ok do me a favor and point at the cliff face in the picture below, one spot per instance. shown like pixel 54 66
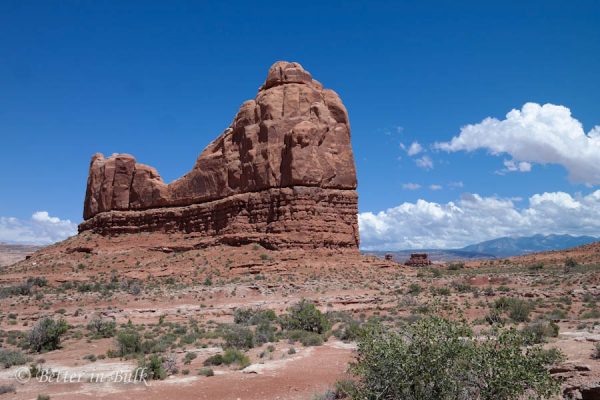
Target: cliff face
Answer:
pixel 282 174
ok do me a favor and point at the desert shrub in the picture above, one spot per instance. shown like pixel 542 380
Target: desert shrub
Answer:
pixel 265 333
pixel 536 267
pixel 38 281
pixel 518 310
pixel 348 331
pixel 570 263
pixel 239 337
pixel 169 364
pixel 234 356
pixel 305 316
pixel 462 287
pixel 250 316
pixel 539 330
pixel 593 313
pixel 102 328
pixel 216 359
pixel 494 317
pixel 438 359
pixel 45 334
pixel 128 342
pixel 206 372
pixel 414 289
pixel 24 288
pixel 189 357
pixel 135 288
pixel 441 291
pixel 556 314
pixel 43 397
pixel 8 358
pixel 596 353
pixel 152 367
pixel 7 389
pixel 304 337
pixel 231 356
pixel 455 266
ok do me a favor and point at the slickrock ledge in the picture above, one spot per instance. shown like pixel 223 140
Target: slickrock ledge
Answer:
pixel 282 175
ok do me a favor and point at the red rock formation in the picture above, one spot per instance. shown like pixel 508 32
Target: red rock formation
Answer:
pixel 282 174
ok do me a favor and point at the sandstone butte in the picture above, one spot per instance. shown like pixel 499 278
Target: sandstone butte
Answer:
pixel 281 175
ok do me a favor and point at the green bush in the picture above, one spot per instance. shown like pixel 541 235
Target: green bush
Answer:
pixel 414 289
pixel 250 316
pixel 231 356
pixel 538 331
pixel 536 267
pixel 348 331
pixel 234 356
pixel 206 372
pixel 239 337
pixel 570 263
pixel 305 337
pixel 101 328
pixel 456 266
pixel 305 316
pixel 518 310
pixel 265 333
pixel 45 334
pixel 439 359
pixel 187 359
pixel 152 367
pixel 8 358
pixel 128 342
pixel 217 359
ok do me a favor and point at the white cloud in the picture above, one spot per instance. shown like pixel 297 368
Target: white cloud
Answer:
pixel 435 187
pixel 544 134
pixel 411 186
pixel 512 166
pixel 41 228
pixel 414 149
pixel 473 219
pixel 424 162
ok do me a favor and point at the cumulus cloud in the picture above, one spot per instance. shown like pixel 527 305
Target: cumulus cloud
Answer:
pixel 435 187
pixel 41 228
pixel 474 218
pixel 424 162
pixel 544 134
pixel 414 149
pixel 411 186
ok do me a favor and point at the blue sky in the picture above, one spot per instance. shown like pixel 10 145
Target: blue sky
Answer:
pixel 160 80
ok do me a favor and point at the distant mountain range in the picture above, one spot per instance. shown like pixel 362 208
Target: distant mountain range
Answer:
pixel 516 246
pixel 498 248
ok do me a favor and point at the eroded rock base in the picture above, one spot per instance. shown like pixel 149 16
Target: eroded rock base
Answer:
pixel 304 217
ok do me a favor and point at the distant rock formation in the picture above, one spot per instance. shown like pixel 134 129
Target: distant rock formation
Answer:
pixel 281 175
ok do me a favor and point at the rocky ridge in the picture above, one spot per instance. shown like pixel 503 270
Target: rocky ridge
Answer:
pixel 282 175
